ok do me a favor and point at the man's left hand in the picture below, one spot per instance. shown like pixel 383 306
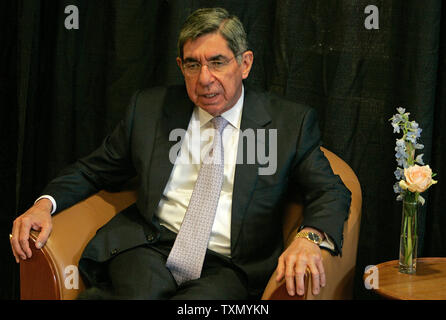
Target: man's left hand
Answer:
pixel 300 255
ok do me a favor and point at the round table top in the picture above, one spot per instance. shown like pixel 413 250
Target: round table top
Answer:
pixel 428 283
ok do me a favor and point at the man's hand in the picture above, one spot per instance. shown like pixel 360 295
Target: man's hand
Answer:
pixel 293 262
pixel 38 218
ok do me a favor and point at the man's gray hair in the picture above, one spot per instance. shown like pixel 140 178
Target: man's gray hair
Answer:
pixel 211 20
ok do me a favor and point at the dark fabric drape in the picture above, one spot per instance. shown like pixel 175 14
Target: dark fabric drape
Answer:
pixel 436 217
pixel 8 143
pixel 73 86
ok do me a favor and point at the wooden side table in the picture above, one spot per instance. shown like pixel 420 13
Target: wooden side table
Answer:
pixel 429 282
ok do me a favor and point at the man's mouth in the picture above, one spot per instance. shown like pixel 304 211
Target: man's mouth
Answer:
pixel 209 96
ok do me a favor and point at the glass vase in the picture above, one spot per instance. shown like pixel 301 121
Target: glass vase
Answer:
pixel 409 237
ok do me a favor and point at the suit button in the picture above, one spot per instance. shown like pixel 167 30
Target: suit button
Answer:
pixel 150 238
pixel 113 252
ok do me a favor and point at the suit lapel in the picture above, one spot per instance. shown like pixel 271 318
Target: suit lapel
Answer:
pixel 176 114
pixel 254 117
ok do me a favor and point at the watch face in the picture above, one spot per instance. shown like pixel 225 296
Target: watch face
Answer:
pixel 313 236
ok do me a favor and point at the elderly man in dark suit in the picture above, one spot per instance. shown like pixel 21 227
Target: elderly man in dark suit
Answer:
pixel 207 222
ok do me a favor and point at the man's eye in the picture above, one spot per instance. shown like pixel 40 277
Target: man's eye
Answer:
pixel 217 63
pixel 193 66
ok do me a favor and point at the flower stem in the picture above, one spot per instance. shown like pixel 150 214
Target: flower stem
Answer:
pixel 409 229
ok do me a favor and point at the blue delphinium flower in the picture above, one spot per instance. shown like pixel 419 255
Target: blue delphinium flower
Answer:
pixel 401 154
pixel 405 146
pixel 419 159
pixel 399 173
pixel 413 135
pixel 397 188
pixel 396 120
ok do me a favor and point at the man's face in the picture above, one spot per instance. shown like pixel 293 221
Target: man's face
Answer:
pixel 214 91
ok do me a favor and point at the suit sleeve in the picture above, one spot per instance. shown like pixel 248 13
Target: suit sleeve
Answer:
pixel 108 167
pixel 326 199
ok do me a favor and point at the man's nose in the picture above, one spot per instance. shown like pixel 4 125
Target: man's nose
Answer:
pixel 205 77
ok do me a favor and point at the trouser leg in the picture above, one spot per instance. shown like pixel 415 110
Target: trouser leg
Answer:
pixel 141 273
pixel 218 281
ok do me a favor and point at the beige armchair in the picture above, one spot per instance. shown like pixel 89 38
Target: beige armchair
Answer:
pixel 50 274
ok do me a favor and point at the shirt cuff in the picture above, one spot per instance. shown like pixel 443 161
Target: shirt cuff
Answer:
pixel 49 198
pixel 327 243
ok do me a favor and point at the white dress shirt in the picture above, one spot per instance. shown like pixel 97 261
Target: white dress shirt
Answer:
pixel 178 191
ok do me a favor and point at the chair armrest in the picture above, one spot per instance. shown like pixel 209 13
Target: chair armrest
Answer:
pixel 43 276
pixel 339 271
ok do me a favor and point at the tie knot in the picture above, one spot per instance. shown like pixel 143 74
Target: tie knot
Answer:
pixel 219 123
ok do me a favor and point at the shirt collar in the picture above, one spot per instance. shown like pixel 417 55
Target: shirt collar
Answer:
pixel 233 115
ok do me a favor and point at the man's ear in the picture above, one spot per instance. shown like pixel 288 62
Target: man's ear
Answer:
pixel 247 61
pixel 180 65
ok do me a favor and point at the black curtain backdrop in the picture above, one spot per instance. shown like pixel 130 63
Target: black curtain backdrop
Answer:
pixel 8 143
pixel 62 91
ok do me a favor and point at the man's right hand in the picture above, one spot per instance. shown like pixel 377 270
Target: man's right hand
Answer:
pixel 38 218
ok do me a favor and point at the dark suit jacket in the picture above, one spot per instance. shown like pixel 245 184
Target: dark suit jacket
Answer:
pixel 139 146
